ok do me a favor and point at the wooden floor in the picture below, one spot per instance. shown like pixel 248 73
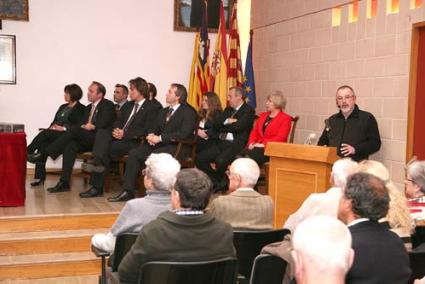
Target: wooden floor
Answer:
pixel 40 202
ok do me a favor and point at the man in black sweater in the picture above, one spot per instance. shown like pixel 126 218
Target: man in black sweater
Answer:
pixel 354 132
pixel 379 254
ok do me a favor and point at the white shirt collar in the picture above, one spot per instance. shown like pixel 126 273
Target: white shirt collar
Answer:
pixel 97 102
pixel 355 222
pixel 237 108
pixel 140 102
pixel 244 189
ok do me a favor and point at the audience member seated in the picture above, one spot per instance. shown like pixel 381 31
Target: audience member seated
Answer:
pixel 273 125
pixel 235 126
pixel 243 207
pixel 135 119
pixel 322 250
pixel 415 188
pixel 324 203
pixel 68 115
pixel 398 218
pixel 120 96
pixel 176 122
pixel 159 178
pixel 100 114
pixel 379 254
pixel 152 95
pixel 185 234
pixel 209 120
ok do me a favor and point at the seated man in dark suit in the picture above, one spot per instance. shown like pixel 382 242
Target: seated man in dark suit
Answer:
pixel 379 254
pixel 184 234
pixel 176 122
pixel 136 116
pixel 100 114
pixel 236 123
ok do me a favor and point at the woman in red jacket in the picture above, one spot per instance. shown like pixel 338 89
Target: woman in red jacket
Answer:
pixel 272 125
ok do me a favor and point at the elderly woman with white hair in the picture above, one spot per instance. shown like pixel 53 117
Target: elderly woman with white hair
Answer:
pixel 272 125
pixel 415 188
pixel 159 178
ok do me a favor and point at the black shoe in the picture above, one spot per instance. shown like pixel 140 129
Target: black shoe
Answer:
pixel 37 182
pixel 122 196
pixel 59 187
pixel 92 192
pixel 92 168
pixel 36 158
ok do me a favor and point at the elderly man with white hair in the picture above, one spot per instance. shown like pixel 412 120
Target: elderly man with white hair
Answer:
pixel 243 207
pixel 324 203
pixel 159 178
pixel 322 250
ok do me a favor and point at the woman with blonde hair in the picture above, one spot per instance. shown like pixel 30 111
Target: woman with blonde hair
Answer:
pixel 398 216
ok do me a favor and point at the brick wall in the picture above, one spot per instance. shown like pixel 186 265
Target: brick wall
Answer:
pixel 307 58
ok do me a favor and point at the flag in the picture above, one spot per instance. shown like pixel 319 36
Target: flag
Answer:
pixel 200 73
pixel 249 83
pixel 235 65
pixel 219 63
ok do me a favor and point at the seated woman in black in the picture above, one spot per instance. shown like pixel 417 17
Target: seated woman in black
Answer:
pixel 209 115
pixel 68 115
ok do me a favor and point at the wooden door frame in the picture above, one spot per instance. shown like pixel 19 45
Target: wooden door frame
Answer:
pixel 412 89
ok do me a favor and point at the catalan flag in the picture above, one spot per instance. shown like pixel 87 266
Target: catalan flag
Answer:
pixel 200 72
pixel 249 83
pixel 235 78
pixel 219 64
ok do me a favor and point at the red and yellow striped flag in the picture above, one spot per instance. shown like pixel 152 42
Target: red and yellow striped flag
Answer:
pixel 235 74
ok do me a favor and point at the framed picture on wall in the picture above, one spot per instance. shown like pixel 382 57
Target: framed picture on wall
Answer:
pixel 14 10
pixel 7 59
pixel 188 14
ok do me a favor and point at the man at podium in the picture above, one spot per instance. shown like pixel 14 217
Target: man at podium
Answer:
pixel 352 131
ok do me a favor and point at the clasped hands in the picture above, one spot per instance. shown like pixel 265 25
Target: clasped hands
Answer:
pixel 56 127
pixel 153 139
pixel 88 126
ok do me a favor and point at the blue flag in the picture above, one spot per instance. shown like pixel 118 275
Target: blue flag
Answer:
pixel 249 84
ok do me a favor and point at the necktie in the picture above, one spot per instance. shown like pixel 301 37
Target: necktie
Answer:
pixel 93 107
pixel 169 114
pixel 130 120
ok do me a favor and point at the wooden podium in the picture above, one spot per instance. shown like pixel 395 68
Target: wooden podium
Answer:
pixel 296 171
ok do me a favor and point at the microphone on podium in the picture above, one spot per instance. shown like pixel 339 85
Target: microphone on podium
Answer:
pixel 311 139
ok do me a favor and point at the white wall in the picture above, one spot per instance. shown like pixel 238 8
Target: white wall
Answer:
pixel 84 40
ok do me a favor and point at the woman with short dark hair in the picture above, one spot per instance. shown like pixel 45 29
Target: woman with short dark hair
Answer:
pixel 68 115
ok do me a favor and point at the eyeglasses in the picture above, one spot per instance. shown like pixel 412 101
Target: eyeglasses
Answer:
pixel 346 98
pixel 408 179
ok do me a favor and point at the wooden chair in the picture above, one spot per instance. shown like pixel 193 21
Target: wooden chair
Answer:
pixel 186 162
pixel 264 169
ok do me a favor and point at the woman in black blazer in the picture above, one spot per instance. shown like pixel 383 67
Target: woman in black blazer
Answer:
pixel 68 115
pixel 209 117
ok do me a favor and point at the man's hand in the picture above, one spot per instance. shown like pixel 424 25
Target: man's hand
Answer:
pixel 251 146
pixel 231 120
pixel 56 127
pixel 153 139
pixel 88 126
pixel 347 150
pixel 202 133
pixel 118 133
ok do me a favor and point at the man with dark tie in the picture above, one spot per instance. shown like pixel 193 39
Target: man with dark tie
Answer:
pixel 353 131
pixel 120 95
pixel 100 114
pixel 136 116
pixel 173 123
pixel 236 123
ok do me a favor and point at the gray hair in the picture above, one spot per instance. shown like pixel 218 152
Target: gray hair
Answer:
pixel 278 99
pixel 162 168
pixel 247 169
pixel 324 243
pixel 341 170
pixel 416 171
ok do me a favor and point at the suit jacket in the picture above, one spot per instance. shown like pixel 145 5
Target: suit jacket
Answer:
pixel 277 130
pixel 103 116
pixel 180 126
pixel 240 129
pixel 379 256
pixel 212 125
pixel 144 118
pixel 177 238
pixel 244 209
pixel 75 116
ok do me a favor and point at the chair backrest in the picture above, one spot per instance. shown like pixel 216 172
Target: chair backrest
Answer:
pixel 294 121
pixel 220 271
pixel 248 245
pixel 122 245
pixel 268 269
pixel 417 264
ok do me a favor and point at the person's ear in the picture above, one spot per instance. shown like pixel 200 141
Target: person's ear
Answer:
pixel 298 263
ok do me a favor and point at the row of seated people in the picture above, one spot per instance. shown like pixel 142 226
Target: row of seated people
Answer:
pixel 363 198
pixel 221 134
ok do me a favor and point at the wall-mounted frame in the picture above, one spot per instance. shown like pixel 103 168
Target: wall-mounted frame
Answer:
pixel 7 59
pixel 14 10
pixel 188 14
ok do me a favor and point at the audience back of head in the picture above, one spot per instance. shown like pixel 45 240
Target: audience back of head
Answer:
pixel 194 189
pixel 162 168
pixel 247 170
pixel 341 169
